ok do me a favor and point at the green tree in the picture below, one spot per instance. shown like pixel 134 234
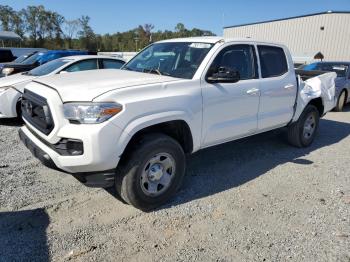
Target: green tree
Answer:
pixel 71 29
pixel 39 27
pixel 6 13
pixel 86 34
pixel 31 18
pixel 57 22
pixel 18 24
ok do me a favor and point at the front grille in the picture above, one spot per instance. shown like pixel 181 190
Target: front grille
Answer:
pixel 36 111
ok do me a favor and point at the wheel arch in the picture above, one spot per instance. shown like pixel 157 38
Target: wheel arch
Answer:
pixel 346 94
pixel 176 127
pixel 18 107
pixel 318 103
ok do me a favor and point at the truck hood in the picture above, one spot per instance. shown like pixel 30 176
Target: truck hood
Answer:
pixel 87 85
pixel 16 80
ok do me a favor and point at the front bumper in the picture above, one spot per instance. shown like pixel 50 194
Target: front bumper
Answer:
pixel 90 168
pixel 40 154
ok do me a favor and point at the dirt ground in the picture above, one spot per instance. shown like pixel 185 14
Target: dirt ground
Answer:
pixel 256 199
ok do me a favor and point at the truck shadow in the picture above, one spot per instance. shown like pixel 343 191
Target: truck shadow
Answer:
pixel 23 235
pixel 230 165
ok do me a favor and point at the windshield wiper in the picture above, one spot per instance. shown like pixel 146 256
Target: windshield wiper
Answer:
pixel 126 68
pixel 155 71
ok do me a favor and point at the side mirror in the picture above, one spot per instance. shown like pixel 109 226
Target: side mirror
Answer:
pixel 224 75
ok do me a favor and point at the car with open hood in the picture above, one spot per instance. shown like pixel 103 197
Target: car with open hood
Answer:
pixel 11 87
pixel 39 59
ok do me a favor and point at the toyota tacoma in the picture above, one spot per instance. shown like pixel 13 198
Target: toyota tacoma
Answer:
pixel 132 128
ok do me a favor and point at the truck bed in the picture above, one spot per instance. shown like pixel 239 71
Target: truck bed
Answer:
pixel 306 74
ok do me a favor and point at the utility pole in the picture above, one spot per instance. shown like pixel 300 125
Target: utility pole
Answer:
pixel 136 42
pixel 137 39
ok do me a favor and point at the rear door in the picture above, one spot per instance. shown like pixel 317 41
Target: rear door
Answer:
pixel 278 87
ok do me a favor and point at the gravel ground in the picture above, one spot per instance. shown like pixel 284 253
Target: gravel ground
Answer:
pixel 256 199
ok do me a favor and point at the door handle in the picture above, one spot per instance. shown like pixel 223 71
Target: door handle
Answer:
pixel 290 86
pixel 253 91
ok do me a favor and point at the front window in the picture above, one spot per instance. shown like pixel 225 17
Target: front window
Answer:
pixel 338 68
pixel 48 67
pixel 239 58
pixel 179 59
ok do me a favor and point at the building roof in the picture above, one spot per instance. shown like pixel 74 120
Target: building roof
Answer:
pixel 288 18
pixel 7 35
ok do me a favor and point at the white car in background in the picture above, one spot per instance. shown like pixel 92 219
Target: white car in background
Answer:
pixel 11 87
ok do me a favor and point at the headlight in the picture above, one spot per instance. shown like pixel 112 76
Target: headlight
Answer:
pixel 7 70
pixel 90 113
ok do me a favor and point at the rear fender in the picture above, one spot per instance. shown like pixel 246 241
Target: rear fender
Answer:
pixel 322 86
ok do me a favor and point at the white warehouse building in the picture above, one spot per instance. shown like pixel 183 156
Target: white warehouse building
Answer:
pixel 305 36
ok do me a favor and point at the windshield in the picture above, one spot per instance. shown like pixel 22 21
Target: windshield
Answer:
pixel 48 67
pixel 180 59
pixel 338 68
pixel 22 58
pixel 31 60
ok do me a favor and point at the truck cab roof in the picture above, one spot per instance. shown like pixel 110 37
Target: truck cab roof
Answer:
pixel 217 39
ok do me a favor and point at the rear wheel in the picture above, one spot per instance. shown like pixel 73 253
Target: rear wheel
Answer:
pixel 152 173
pixel 341 102
pixel 303 132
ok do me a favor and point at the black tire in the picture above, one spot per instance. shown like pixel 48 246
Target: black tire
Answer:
pixel 19 111
pixel 296 130
pixel 129 172
pixel 340 102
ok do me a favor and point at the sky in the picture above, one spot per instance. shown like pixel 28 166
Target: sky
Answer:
pixel 110 16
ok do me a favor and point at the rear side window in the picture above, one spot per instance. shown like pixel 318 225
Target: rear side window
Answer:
pixel 273 61
pixel 112 64
pixel 82 66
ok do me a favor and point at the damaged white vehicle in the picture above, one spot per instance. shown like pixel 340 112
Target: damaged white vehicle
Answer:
pixel 132 128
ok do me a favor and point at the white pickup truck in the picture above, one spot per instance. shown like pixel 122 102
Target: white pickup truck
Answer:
pixel 132 128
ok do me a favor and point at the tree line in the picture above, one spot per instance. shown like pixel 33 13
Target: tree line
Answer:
pixel 39 27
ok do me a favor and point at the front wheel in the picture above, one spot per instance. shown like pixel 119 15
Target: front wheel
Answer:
pixel 302 133
pixel 19 110
pixel 152 173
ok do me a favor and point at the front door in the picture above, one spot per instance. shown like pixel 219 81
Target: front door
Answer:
pixel 230 109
